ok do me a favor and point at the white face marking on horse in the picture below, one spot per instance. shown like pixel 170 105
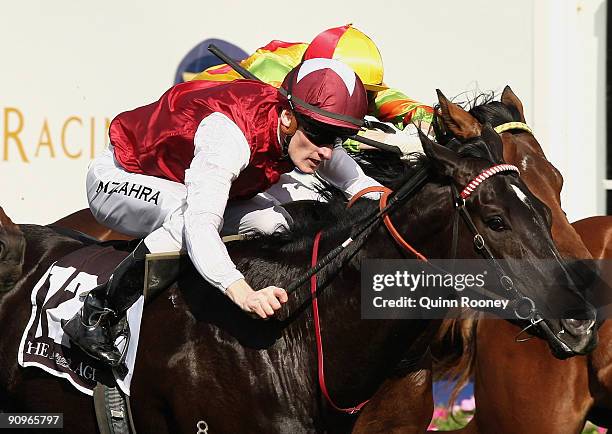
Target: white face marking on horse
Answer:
pixel 525 163
pixel 522 196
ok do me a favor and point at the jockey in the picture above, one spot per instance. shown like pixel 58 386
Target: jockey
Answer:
pixel 183 169
pixel 351 46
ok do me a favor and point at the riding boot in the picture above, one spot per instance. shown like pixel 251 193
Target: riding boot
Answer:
pixel 91 328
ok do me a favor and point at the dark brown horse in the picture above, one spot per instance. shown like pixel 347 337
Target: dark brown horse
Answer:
pixel 201 359
pixel 521 388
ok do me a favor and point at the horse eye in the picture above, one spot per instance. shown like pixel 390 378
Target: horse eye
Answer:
pixel 1 249
pixel 496 223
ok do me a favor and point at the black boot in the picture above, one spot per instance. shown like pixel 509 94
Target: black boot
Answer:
pixel 91 328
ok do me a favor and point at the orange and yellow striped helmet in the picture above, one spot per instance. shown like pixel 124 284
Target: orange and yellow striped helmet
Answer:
pixel 354 48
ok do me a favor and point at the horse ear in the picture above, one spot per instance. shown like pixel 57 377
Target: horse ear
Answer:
pixel 510 99
pixel 494 143
pixel 7 224
pixel 459 122
pixel 444 159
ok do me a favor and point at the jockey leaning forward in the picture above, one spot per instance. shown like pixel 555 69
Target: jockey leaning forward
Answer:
pixel 274 61
pixel 203 152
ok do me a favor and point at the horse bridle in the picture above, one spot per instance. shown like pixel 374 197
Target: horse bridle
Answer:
pixel 519 300
pixel 390 200
pixel 513 126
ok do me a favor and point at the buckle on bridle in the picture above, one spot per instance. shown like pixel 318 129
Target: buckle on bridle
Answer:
pixel 531 317
pixel 479 242
pixel 506 282
pixel 459 202
pixel 525 301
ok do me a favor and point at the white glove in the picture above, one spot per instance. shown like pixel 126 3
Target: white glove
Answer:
pixel 407 140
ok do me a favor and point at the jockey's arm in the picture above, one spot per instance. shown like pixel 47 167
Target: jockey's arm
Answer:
pixel 221 153
pixel 393 106
pixel 344 173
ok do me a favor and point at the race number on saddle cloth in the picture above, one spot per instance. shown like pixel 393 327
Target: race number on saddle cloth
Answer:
pixel 204 150
pixel 57 297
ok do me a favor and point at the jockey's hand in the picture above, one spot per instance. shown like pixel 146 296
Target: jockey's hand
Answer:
pixel 407 140
pixel 262 303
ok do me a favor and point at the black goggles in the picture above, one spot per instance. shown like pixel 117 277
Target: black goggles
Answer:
pixel 321 135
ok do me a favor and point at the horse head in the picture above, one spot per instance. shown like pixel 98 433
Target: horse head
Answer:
pixel 531 213
pixel 542 177
pixel 12 251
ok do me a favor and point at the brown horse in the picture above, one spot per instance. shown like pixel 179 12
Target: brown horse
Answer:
pixel 568 392
pixel 521 388
pixel 597 235
pixel 201 359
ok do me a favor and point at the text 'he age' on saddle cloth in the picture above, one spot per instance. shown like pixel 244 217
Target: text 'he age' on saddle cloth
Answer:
pixel 57 297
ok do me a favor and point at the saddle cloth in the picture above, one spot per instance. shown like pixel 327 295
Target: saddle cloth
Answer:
pixel 56 297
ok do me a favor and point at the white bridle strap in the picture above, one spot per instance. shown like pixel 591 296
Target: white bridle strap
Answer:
pixel 513 126
pixel 487 174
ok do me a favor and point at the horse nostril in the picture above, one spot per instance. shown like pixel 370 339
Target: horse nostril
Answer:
pixel 578 326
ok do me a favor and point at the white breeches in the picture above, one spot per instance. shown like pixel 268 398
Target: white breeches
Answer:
pixel 151 207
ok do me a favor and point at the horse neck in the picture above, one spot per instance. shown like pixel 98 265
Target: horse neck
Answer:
pixel 367 352
pixel 43 246
pixel 359 354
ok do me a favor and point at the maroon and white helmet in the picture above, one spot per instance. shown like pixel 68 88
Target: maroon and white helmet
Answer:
pixel 328 92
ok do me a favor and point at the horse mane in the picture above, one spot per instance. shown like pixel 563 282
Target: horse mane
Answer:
pixel 389 169
pixel 454 351
pixel 486 109
pixel 475 148
pixel 493 112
